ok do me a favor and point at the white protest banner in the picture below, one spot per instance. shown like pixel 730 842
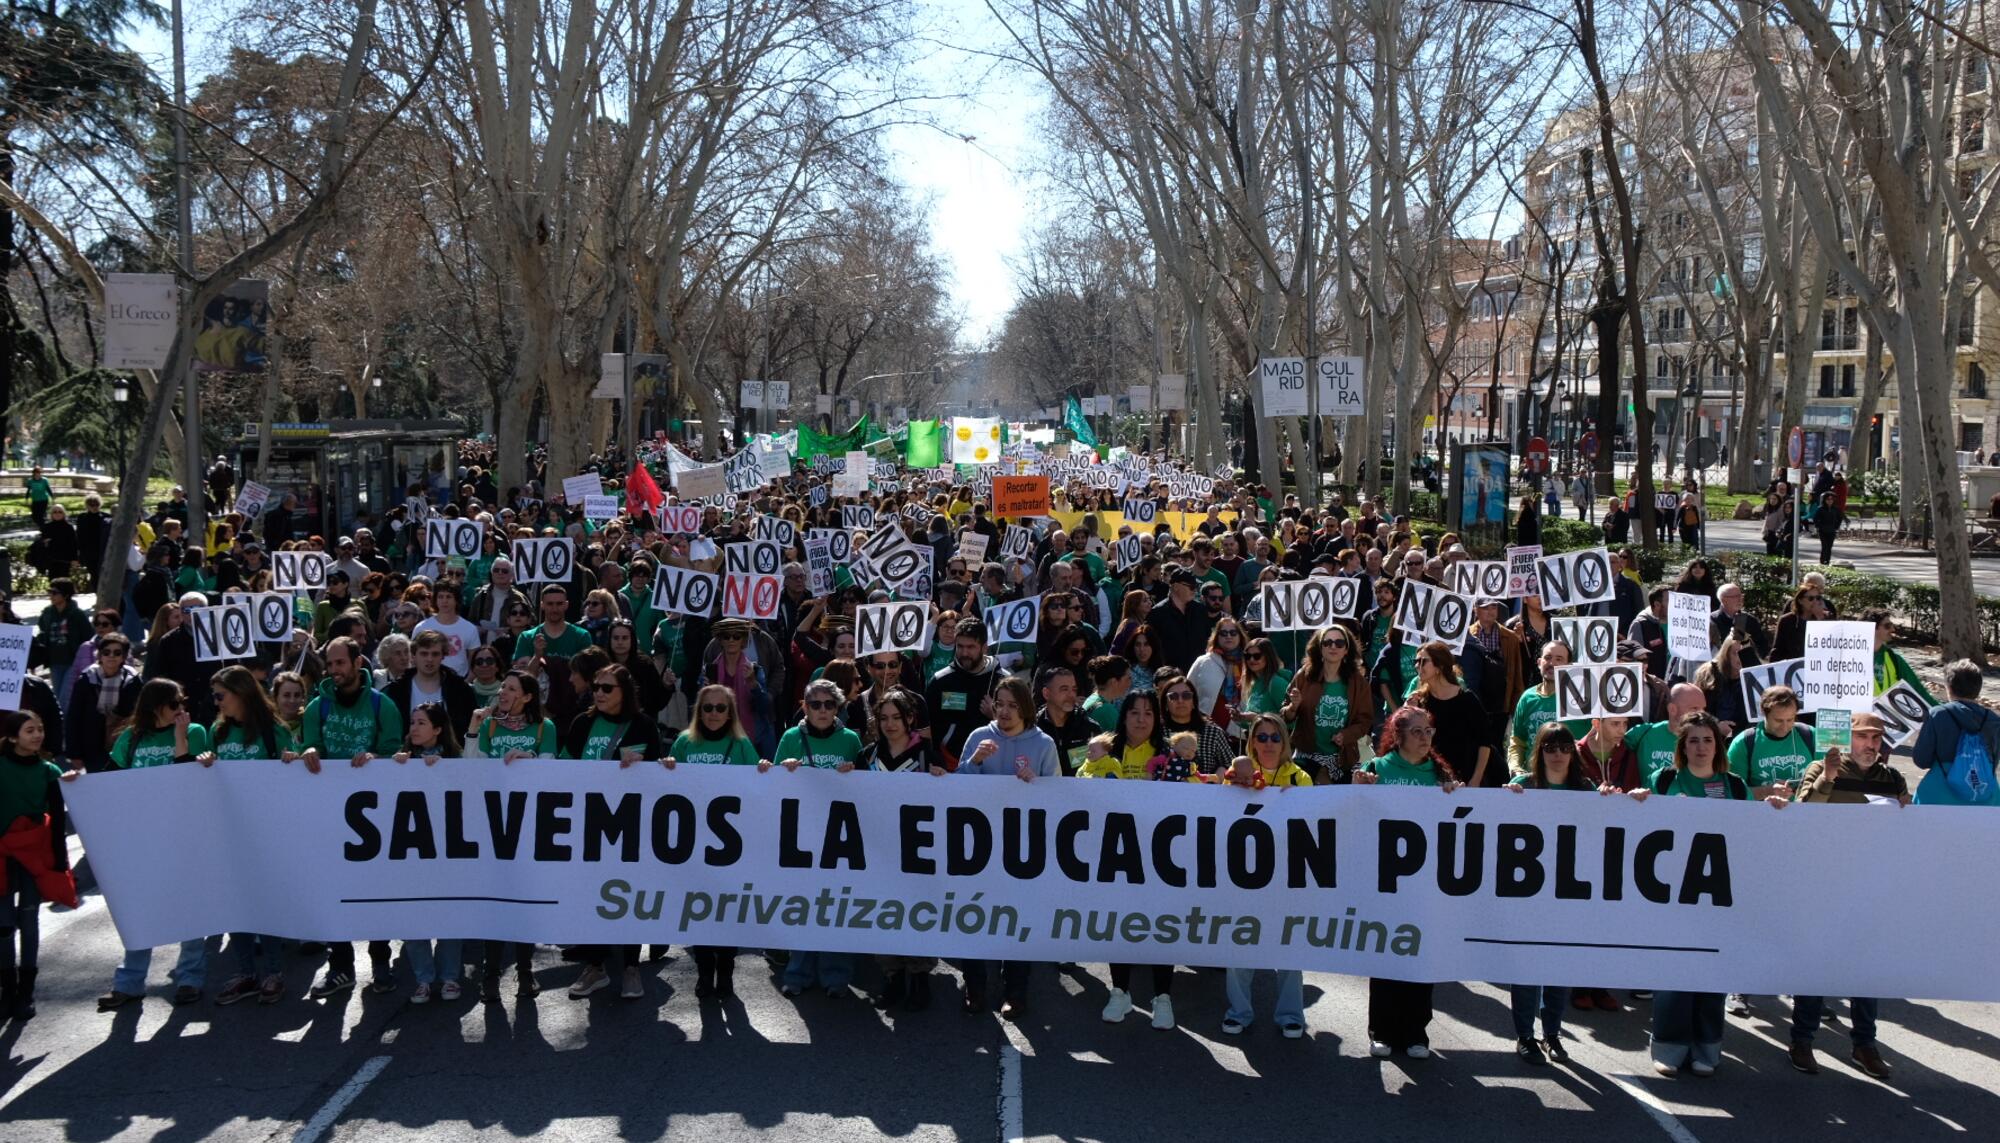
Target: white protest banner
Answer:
pixel 589 852
pixel 753 557
pixel 701 482
pixel 903 564
pixel 1590 638
pixel 15 641
pixel 1126 552
pixel 1173 392
pixel 1521 580
pixel 1840 665
pixel 817 494
pixel 972 547
pixel 544 561
pixel 1570 579
pixel 743 472
pixel 445 537
pixel 225 631
pixel 896 627
pixel 750 596
pixel 1758 679
pixel 1017 544
pixel 683 591
pixel 1481 579
pixel 1139 510
pixel 1340 386
pixel 819 567
pixel 1019 621
pixel 1687 626
pixel 1611 690
pixel 1283 383
pixel 299 571
pixel 272 616
pixel 975 440
pixel 251 499
pixel 852 479
pixel 1309 604
pixel 1428 613
pixel 1902 709
pixel 575 488
pixel 916 586
pixel 839 542
pixel 857 516
pixel 777 529
pixel 141 313
pixel 884 540
pixel 1140 397
pixel 750 395
pixel 681 519
pixel 600 507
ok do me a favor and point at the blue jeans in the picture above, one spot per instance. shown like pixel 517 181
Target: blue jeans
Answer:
pixel 1806 1011
pixel 257 956
pixel 829 970
pixel 1291 1006
pixel 1687 1027
pixel 190 968
pixel 1549 998
pixel 434 967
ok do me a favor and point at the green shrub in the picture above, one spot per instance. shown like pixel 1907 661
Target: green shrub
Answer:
pixel 1566 535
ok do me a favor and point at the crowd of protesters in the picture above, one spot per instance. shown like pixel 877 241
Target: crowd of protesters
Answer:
pixel 1145 666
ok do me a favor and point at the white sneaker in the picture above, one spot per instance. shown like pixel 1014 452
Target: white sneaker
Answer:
pixel 451 990
pixel 1292 1031
pixel 1232 1028
pixel 1738 1005
pixel 422 995
pixel 1118 1007
pixel 1378 1049
pixel 593 978
pixel 1163 1013
pixel 1418 1051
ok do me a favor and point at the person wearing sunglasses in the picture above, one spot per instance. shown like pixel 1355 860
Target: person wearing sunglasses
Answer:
pixel 613 727
pixel 1399 1011
pixel 1137 751
pixel 1268 764
pixel 1550 764
pixel 1009 746
pixel 901 747
pixel 1330 707
pixel 819 741
pixel 748 662
pixel 1218 676
pixel 105 695
pixel 716 737
pixel 1180 712
pixel 162 733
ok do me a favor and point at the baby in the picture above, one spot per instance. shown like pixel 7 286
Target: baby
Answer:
pixel 1243 772
pixel 1177 766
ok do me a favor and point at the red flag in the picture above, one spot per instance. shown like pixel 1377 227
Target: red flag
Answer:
pixel 641 491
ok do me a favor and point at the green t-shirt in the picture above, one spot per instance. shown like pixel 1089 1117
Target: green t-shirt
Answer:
pixel 604 736
pixel 1536 710
pixel 1653 744
pixel 238 742
pixel 1761 760
pixel 1395 770
pixel 1093 564
pixel 714 751
pixel 644 618
pixel 24 788
pixel 1267 697
pixel 1104 714
pixel 566 645
pixel 497 741
pixel 843 745
pixel 155 747
pixel 38 490
pixel 372 725
pixel 1330 719
pixel 1217 576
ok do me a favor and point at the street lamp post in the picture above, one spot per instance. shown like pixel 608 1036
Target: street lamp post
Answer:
pixel 121 395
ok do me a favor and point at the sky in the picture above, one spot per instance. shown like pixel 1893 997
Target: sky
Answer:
pixel 971 162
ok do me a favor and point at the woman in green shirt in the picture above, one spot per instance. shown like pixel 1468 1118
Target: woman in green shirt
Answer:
pixel 716 738
pixel 1399 1011
pixel 1329 707
pixel 616 725
pixel 247 725
pixel 160 733
pixel 513 727
pixel 818 739
pixel 1265 681
pixel 288 697
pixel 196 573
pixel 1537 707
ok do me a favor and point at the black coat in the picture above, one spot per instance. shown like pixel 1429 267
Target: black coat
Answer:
pixel 86 733
pixel 93 531
pixel 173 658
pixel 458 697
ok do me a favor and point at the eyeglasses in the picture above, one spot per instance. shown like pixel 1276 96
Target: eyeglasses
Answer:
pixel 1254 656
pixel 1333 643
pixel 604 688
pixel 881 666
pixel 1267 736
pixel 732 637
pixel 175 703
pixel 1558 748
pixel 714 708
pixel 821 704
pixel 1229 633
pixel 1181 696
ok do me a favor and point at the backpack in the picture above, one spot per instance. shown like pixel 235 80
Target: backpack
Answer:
pixel 1970 773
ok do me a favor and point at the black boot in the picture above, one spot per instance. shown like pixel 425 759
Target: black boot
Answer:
pixel 8 978
pixel 704 978
pixel 894 991
pixel 725 976
pixel 920 993
pixel 23 1007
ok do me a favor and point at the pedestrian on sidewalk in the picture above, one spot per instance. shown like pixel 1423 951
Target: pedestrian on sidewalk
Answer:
pixel 1827 519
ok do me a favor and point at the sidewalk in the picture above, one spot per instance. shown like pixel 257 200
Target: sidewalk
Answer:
pixel 1906 565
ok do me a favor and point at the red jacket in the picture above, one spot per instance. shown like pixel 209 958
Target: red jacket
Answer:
pixel 30 843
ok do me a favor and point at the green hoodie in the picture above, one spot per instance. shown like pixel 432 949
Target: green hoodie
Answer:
pixel 372 725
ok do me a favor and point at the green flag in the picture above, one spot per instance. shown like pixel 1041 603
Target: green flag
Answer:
pixel 925 448
pixel 814 443
pixel 1073 421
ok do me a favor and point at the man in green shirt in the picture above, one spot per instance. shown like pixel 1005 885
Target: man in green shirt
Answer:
pixel 1653 742
pixel 1772 756
pixel 348 718
pixel 39 496
pixel 556 635
pixel 1203 550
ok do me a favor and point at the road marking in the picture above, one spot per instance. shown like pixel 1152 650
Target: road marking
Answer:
pixel 324 1118
pixel 1675 1129
pixel 1011 1130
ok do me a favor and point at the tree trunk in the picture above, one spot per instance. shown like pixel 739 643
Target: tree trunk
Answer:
pixel 1861 450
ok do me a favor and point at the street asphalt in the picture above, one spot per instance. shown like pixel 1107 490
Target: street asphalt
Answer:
pixel 372 1069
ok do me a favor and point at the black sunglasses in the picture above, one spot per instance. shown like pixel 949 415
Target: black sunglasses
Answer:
pixel 1267 736
pixel 821 704
pixel 714 708
pixel 604 688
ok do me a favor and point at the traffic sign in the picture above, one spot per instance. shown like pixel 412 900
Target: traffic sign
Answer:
pixel 1588 446
pixel 1701 452
pixel 1536 458
pixel 1795 448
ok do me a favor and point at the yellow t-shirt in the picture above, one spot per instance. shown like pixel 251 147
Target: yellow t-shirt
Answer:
pixel 1131 765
